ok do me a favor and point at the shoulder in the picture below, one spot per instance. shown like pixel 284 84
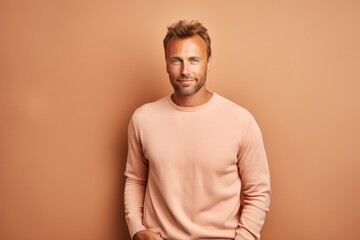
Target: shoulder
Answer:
pixel 150 109
pixel 233 109
pixel 240 119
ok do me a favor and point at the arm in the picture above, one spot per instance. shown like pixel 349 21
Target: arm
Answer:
pixel 136 181
pixel 255 178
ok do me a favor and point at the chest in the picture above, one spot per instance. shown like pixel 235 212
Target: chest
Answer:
pixel 195 144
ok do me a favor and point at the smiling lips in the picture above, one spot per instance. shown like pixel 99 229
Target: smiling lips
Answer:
pixel 186 80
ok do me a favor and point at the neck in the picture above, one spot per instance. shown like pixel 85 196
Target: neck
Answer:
pixel 193 100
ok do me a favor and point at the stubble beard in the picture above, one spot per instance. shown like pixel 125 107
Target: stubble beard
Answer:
pixel 184 91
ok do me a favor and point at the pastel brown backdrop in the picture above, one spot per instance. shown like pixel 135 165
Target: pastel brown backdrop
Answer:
pixel 72 73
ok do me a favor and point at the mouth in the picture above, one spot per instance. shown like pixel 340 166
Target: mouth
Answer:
pixel 186 80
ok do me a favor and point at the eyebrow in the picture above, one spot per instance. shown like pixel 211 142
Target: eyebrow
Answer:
pixel 191 57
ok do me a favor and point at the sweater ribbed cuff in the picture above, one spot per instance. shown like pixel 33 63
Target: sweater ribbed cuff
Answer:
pixel 134 225
pixel 243 234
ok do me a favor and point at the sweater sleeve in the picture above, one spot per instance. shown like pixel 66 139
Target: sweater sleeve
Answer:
pixel 135 184
pixel 255 178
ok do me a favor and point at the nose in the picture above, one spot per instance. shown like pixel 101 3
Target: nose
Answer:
pixel 185 69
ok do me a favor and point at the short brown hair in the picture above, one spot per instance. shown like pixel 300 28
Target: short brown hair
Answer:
pixel 185 29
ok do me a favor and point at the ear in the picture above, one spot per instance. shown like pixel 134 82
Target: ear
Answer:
pixel 208 67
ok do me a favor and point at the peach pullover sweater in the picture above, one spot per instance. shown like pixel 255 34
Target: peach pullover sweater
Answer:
pixel 187 166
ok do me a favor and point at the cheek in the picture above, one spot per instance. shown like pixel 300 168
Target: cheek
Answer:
pixel 172 70
pixel 200 70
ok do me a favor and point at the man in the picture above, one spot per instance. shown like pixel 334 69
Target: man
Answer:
pixel 196 167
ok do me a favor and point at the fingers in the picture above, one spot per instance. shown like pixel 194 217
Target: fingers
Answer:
pixel 147 235
pixel 158 237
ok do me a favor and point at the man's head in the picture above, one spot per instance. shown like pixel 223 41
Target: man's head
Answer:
pixel 185 29
pixel 187 54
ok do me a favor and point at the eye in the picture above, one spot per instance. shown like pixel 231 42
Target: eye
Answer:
pixel 175 61
pixel 194 60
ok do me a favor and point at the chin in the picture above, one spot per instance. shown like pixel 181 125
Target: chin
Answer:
pixel 188 92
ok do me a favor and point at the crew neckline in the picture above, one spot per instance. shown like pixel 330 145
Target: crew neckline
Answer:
pixel 192 109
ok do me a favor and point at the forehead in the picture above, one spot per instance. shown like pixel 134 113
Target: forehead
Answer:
pixel 194 45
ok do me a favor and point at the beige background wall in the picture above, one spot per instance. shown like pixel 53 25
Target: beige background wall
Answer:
pixel 72 73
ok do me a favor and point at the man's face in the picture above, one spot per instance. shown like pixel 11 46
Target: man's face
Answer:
pixel 187 64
